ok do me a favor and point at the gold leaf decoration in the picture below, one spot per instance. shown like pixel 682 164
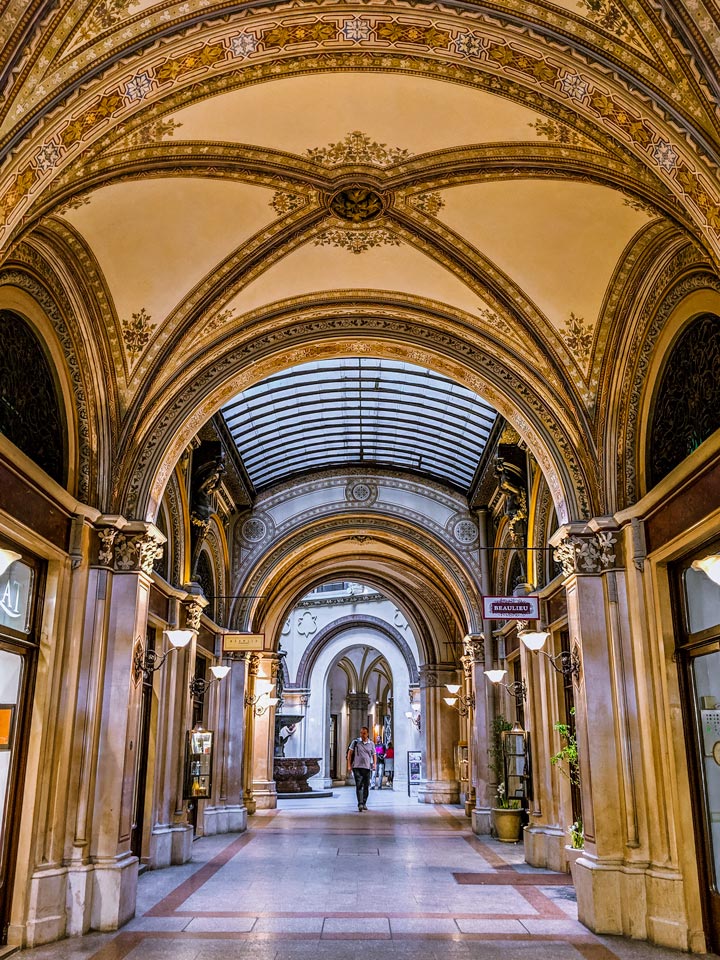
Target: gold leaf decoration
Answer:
pixel 217 320
pixel 284 203
pixel 557 132
pixel 155 130
pixel 357 148
pixel 608 15
pixel 107 14
pixel 356 241
pixel 578 337
pixel 136 332
pixel 428 203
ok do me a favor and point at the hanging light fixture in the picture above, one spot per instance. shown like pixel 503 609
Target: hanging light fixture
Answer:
pixel 565 662
pixel 462 704
pixel 517 689
pixel 198 685
pixel 146 662
pixel 710 566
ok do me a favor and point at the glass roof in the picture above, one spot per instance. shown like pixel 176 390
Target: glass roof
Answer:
pixel 353 411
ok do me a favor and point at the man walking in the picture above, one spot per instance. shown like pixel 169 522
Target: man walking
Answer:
pixel 361 760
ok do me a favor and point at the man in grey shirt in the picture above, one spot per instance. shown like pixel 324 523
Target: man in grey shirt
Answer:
pixel 361 760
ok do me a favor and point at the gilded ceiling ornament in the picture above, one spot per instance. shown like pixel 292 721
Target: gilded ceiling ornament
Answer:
pixel 74 203
pixel 428 203
pixel 357 241
pixel 578 337
pixel 557 132
pixel 155 130
pixel 217 320
pixel 357 204
pixel 136 332
pixel 105 15
pixel 284 203
pixel 607 14
pixel 357 148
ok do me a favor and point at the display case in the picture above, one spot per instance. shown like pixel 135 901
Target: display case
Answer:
pixel 516 761
pixel 198 764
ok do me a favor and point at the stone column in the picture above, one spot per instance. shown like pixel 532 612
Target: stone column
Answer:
pixel 358 704
pixel 232 706
pixel 474 665
pixel 252 661
pixel 264 790
pixel 614 889
pixel 440 734
pixel 104 875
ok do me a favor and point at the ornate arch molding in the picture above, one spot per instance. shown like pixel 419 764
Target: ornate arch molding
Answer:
pixel 176 512
pixel 168 429
pixel 666 308
pixel 542 510
pixel 342 527
pixel 353 621
pixel 216 547
pixel 85 422
pixel 463 50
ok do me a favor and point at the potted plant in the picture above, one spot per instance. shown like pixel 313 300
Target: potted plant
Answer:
pixel 568 763
pixel 507 815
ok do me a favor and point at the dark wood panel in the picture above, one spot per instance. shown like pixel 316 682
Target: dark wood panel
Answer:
pixel 23 500
pixel 684 509
pixel 158 603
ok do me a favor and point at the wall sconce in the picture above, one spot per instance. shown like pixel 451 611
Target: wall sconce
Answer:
pixel 146 662
pixel 198 685
pixel 710 566
pixel 7 558
pixel 518 689
pixel 413 715
pixel 566 662
pixel 462 704
pixel 255 701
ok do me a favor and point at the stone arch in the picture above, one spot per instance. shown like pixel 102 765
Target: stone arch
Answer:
pixel 340 626
pixel 549 427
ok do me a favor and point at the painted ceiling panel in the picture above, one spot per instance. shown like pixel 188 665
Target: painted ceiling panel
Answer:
pixel 155 239
pixel 559 241
pixel 302 113
pixel 312 269
pixel 359 410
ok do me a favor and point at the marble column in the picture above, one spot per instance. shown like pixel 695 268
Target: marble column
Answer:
pixel 252 662
pixel 263 785
pixel 358 706
pixel 233 702
pixel 440 735
pixel 102 875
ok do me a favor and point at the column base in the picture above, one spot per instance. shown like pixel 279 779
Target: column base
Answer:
pixel 48 914
pixel 621 899
pixel 228 819
pixel 439 791
pixel 265 794
pixel 114 892
pixel 481 821
pixel 545 847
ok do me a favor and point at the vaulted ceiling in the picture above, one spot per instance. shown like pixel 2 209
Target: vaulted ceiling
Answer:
pixel 506 166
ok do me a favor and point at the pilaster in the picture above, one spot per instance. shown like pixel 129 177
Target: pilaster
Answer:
pixel 440 734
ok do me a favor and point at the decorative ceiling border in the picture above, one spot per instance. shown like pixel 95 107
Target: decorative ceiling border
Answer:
pixel 402 42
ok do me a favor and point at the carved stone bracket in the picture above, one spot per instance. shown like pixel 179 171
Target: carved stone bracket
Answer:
pixel 129 547
pixel 193 612
pixel 591 552
pixel 474 648
pixel 433 675
pixel 253 663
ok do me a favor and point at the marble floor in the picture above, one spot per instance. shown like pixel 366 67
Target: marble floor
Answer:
pixel 312 878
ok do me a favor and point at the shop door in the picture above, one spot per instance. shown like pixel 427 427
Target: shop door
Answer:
pixel 18 601
pixel 698 635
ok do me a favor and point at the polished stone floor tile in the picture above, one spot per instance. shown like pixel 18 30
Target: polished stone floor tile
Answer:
pixel 314 880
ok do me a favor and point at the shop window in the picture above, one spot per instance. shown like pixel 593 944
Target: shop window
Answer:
pixel 30 410
pixel 687 408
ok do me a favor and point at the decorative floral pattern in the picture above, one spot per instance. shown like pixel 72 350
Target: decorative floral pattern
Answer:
pixel 356 30
pixel 138 87
pixel 607 14
pixel 428 203
pixel 136 332
pixel 284 203
pixel 107 14
pixel 557 132
pixel 578 337
pixel 357 148
pixel 469 45
pixel 243 44
pixel 155 130
pixel 357 241
pixel 217 320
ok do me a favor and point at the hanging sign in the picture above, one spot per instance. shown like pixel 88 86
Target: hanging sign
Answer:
pixel 511 608
pixel 240 642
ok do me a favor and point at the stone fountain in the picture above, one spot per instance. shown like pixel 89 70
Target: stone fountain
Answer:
pixel 291 773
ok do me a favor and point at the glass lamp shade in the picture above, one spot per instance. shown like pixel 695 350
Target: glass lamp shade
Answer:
pixel 408 714
pixel 273 701
pixel 263 687
pixel 7 557
pixel 219 672
pixel 534 639
pixel 452 687
pixel 710 566
pixel 415 706
pixel 495 676
pixel 450 701
pixel 179 638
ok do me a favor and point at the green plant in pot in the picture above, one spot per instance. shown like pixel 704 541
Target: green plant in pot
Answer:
pixel 507 811
pixel 568 763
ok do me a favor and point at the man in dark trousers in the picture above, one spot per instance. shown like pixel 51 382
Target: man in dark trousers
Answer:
pixel 361 760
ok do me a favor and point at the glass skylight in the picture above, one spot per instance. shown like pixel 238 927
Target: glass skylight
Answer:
pixel 354 411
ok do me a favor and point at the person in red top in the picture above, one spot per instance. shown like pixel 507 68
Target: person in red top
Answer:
pixel 390 762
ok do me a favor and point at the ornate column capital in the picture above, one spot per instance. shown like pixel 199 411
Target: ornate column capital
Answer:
pixel 474 648
pixel 128 546
pixel 437 675
pixel 194 604
pixel 588 548
pixel 358 701
pixel 253 663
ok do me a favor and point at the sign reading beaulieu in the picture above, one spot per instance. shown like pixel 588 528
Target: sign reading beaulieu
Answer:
pixel 511 608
